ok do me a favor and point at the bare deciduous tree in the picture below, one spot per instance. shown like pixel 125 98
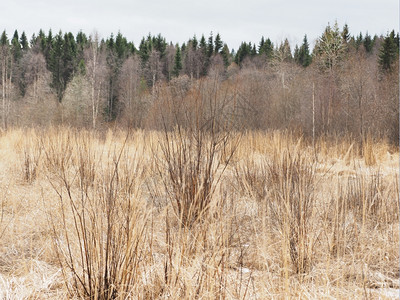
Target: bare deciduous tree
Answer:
pixel 96 70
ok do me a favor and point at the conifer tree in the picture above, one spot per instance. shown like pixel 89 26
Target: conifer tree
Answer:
pixel 218 44
pixel 210 45
pixel 243 51
pixel 346 34
pixel 121 46
pixel 24 41
pixel 160 45
pixel 388 53
pixel 359 40
pixel 144 51
pixel 177 62
pixel 56 66
pixel 195 43
pixel 261 45
pixel 266 48
pixel 203 45
pixel 226 55
pixel 330 47
pixel 303 56
pixel 47 45
pixel 16 47
pixel 253 50
pixel 368 43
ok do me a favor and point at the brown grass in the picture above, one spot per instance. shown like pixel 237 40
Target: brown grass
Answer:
pixel 85 215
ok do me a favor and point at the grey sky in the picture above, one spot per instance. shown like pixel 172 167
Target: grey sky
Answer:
pixel 178 20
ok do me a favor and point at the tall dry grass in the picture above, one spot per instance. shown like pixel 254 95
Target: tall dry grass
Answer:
pixel 90 215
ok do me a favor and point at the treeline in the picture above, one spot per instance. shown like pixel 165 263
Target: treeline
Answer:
pixel 345 84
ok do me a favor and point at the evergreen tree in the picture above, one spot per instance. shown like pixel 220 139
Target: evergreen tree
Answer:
pixel 330 47
pixel 210 45
pixel 160 45
pixel 267 48
pixel 345 34
pixel 56 66
pixel 203 45
pixel 368 43
pixel 303 56
pixel 42 41
pixel 253 50
pixel 261 45
pixel 195 43
pixel 218 44
pixel 69 57
pixel 121 46
pixel 144 51
pixel 4 43
pixel 16 47
pixel 243 51
pixel 24 41
pixel 47 46
pixel 226 55
pixel 388 52
pixel 33 40
pixel 296 55
pixel 177 62
pixel 359 41
pixel 131 48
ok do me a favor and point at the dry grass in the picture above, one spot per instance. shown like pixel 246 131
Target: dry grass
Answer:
pixel 85 215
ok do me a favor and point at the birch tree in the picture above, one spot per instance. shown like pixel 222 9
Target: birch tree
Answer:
pixel 95 61
pixel 4 60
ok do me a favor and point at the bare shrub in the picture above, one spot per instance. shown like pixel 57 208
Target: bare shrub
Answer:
pixel 99 226
pixel 194 152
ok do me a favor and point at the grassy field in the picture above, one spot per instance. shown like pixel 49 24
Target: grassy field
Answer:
pixel 183 215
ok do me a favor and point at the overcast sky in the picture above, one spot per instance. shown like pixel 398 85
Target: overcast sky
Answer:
pixel 178 20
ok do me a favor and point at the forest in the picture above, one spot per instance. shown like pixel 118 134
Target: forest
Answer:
pixel 345 85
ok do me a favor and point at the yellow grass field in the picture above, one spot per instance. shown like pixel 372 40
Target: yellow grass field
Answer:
pixel 149 215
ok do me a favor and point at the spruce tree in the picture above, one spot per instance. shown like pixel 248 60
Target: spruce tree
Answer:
pixel 253 50
pixel 267 48
pixel 261 45
pixel 4 43
pixel 296 55
pixel 210 45
pixel 243 51
pixel 368 43
pixel 346 34
pixel 218 44
pixel 121 46
pixel 195 43
pixel 226 55
pixel 144 51
pixel 203 45
pixel 359 40
pixel 303 56
pixel 388 53
pixel 56 65
pixel 177 62
pixel 24 41
pixel 16 47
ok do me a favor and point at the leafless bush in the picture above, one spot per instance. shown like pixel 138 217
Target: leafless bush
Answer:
pixel 99 227
pixel 194 153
